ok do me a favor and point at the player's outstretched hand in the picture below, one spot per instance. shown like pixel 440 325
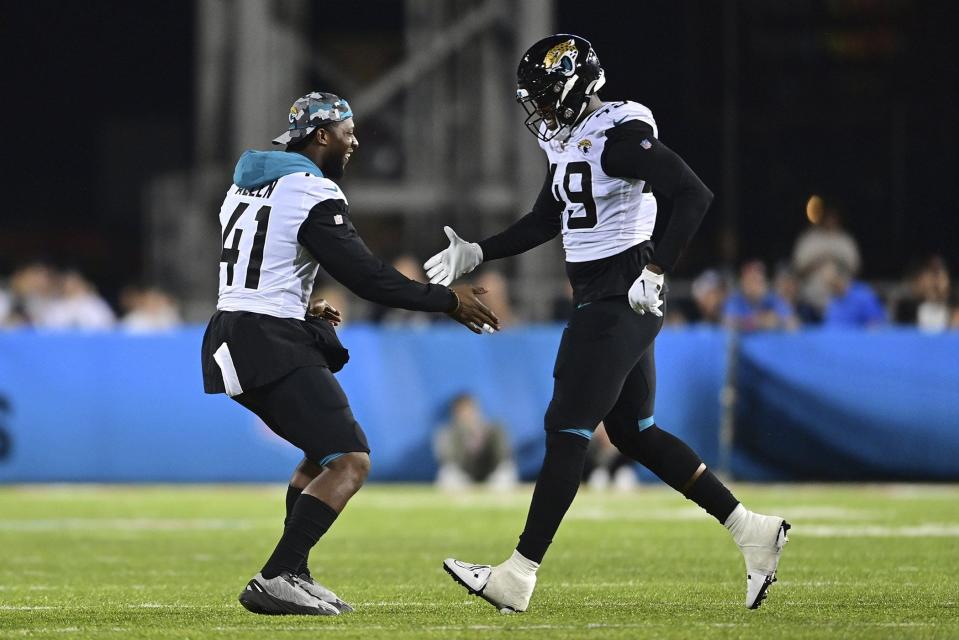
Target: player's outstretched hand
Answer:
pixel 323 309
pixel 471 312
pixel 459 258
pixel 644 295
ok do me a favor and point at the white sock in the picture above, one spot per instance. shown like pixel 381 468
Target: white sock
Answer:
pixel 736 521
pixel 521 564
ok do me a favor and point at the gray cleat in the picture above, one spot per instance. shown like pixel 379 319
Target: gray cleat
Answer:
pixel 315 589
pixel 282 595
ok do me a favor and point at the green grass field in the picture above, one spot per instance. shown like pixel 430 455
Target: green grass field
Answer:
pixel 168 562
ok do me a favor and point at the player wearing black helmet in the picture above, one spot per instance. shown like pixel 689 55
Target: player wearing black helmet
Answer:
pixel 556 80
pixel 605 158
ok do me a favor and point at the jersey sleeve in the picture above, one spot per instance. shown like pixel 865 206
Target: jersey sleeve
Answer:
pixel 540 225
pixel 332 240
pixel 632 151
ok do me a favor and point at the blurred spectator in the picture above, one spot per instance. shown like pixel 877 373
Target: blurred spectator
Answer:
pixel 709 296
pixel 754 307
pixel 6 307
pixel 853 303
pixel 77 306
pixel 411 268
pixel 33 289
pixel 824 245
pixel 148 309
pixel 470 449
pixel 786 285
pixel 929 305
pixel 606 465
pixel 497 297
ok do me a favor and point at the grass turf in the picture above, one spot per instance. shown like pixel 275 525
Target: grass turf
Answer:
pixel 168 562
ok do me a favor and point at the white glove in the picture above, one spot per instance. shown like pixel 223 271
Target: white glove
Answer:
pixel 459 258
pixel 644 294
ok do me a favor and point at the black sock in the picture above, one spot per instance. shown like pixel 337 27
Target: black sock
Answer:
pixel 292 495
pixel 309 520
pixel 678 466
pixel 555 489
pixel 711 494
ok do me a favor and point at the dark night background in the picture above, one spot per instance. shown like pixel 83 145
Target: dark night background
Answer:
pixel 853 100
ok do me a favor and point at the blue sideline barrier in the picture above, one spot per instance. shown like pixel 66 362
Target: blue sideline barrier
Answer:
pixel 848 405
pixel 120 408
pixel 114 407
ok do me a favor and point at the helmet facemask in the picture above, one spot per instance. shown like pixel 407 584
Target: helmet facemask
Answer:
pixel 542 109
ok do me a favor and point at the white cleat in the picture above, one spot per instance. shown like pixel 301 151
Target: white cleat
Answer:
pixel 762 543
pixel 503 587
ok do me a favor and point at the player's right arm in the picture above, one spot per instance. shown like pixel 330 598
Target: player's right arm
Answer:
pixel 540 225
pixel 332 240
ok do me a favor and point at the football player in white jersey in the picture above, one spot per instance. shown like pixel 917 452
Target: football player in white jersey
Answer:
pixel 282 218
pixel 605 158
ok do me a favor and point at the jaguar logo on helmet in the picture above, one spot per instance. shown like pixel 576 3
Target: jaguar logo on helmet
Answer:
pixel 562 58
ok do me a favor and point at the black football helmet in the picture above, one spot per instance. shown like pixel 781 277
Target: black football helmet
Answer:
pixel 554 82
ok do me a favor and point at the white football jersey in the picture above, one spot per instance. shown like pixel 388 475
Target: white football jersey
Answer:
pixel 262 266
pixel 603 215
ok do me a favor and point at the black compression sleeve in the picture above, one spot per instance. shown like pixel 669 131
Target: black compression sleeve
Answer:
pixel 331 239
pixel 632 151
pixel 536 227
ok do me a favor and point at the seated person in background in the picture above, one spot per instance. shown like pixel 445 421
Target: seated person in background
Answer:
pixel 606 465
pixel 709 296
pixel 786 285
pixel 754 307
pixel 470 449
pixel 148 309
pixel 7 317
pixel 929 305
pixel 33 290
pixel 77 306
pixel 853 303
pixel 824 245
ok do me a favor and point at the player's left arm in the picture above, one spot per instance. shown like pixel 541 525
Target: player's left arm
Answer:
pixel 540 225
pixel 632 151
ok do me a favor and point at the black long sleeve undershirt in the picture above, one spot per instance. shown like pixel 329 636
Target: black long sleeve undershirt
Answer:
pixel 334 243
pixel 540 225
pixel 632 151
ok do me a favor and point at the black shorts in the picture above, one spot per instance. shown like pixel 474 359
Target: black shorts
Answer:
pixel 243 350
pixel 308 409
pixel 605 369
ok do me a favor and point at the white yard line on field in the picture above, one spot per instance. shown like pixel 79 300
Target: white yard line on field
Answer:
pixel 925 530
pixel 57 525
